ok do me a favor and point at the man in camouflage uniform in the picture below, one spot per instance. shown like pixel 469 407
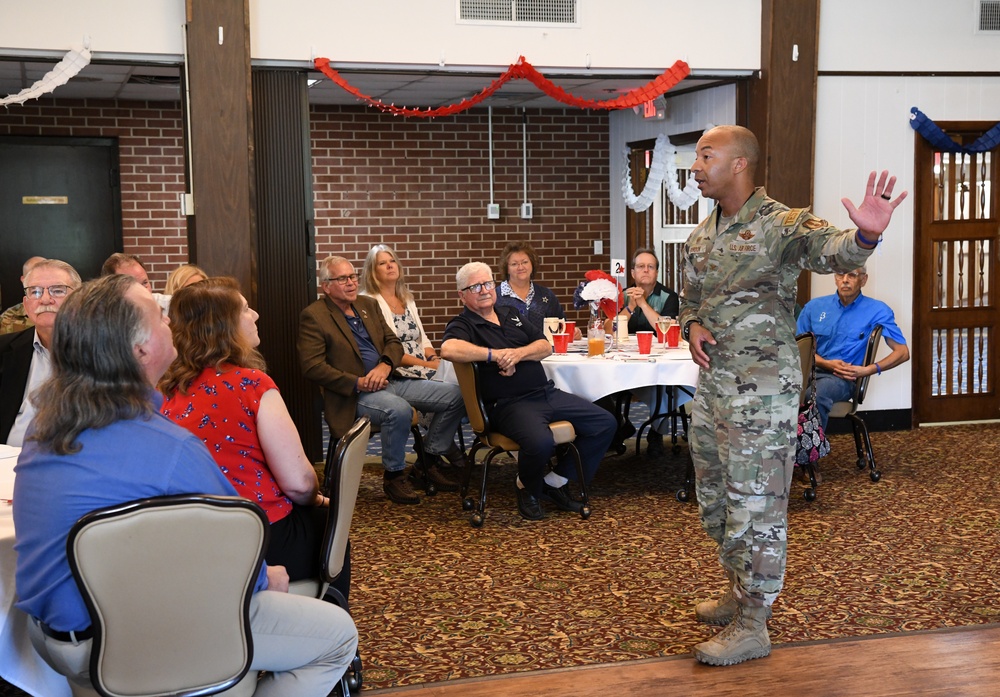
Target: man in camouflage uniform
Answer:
pixel 742 265
pixel 15 318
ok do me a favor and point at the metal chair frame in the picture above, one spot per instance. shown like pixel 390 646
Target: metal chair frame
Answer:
pixel 849 410
pixel 496 443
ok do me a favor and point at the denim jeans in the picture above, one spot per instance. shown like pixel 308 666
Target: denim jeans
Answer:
pixel 830 389
pixel 392 410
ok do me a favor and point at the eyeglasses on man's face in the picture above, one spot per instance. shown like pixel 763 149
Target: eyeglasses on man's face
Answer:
pixel 343 280
pixel 480 287
pixel 55 292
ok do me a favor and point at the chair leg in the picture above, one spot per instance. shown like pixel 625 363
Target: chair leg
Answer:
pixel 585 499
pixel 858 443
pixel 467 502
pixel 866 456
pixel 420 477
pixel 478 516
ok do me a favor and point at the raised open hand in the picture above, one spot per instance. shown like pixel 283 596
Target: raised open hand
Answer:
pixel 873 215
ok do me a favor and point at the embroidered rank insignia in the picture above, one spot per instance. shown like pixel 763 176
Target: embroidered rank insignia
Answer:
pixel 814 223
pixel 790 218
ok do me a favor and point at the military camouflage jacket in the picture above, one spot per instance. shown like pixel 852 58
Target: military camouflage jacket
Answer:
pixel 14 319
pixel 741 284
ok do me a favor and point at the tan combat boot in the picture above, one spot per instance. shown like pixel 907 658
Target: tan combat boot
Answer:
pixel 745 638
pixel 722 610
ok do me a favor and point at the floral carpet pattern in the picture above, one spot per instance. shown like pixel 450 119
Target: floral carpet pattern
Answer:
pixel 435 599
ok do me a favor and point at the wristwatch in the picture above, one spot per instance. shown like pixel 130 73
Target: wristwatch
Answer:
pixel 686 332
pixel 386 360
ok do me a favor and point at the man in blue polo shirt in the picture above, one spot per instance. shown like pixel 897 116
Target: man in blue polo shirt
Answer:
pixel 842 323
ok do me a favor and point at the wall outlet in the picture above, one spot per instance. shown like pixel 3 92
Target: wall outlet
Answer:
pixel 598 246
pixel 493 211
pixel 526 211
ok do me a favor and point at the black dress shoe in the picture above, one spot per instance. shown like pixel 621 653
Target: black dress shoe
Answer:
pixel 528 506
pixel 561 498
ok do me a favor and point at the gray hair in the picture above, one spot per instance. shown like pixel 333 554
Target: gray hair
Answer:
pixel 74 277
pixel 329 263
pixel 464 273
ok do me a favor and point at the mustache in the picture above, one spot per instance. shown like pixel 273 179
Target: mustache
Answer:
pixel 46 308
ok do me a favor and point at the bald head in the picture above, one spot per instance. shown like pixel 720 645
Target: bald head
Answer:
pixel 743 144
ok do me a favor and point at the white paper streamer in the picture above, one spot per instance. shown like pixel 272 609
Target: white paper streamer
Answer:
pixel 664 166
pixel 71 64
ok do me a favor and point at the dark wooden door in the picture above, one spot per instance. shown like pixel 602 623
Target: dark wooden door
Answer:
pixel 638 226
pixel 955 264
pixel 59 198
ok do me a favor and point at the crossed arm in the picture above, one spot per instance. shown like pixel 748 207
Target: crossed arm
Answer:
pixel 900 354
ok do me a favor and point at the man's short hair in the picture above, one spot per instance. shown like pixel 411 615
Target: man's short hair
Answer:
pixel 646 250
pixel 465 273
pixel 745 144
pixel 327 264
pixel 117 260
pixel 54 264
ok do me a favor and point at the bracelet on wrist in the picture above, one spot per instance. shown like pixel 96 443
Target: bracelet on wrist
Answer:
pixel 865 242
pixel 878 369
pixel 628 310
pixel 489 355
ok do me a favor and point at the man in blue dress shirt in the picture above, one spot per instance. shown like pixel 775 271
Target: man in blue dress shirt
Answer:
pixel 842 323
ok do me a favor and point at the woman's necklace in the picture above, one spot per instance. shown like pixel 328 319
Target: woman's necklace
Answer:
pixel 395 305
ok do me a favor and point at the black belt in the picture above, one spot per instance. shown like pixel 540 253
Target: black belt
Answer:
pixel 81 635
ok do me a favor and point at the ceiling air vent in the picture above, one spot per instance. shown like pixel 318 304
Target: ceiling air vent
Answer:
pixel 536 11
pixel 988 15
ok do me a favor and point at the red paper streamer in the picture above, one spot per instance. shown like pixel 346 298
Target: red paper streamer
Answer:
pixel 522 70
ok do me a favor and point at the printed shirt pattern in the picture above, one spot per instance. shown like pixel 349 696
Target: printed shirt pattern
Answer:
pixel 220 408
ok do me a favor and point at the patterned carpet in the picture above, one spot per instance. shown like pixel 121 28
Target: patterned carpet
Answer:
pixel 435 599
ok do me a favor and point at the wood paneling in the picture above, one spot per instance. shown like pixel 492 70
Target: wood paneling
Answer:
pixel 221 136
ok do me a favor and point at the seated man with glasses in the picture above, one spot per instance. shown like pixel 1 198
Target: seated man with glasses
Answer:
pixel 842 323
pixel 520 399
pixel 24 356
pixel 347 348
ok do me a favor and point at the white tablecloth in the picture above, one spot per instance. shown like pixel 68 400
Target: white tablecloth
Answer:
pixel 593 378
pixel 19 664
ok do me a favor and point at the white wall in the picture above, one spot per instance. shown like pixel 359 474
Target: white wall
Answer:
pixel 626 34
pixel 863 124
pixel 904 36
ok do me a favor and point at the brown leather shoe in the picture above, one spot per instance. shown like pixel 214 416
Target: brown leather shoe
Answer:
pixel 441 480
pixel 399 490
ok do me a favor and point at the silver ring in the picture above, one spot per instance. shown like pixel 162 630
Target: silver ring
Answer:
pixel 887 197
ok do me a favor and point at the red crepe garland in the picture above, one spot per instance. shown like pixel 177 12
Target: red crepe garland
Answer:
pixel 522 70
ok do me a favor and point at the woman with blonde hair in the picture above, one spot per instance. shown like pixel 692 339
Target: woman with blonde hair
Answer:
pixel 383 279
pixel 217 389
pixel 183 275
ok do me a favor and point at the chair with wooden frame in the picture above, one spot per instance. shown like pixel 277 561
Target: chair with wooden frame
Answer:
pixel 849 410
pixel 167 582
pixel 496 443
pixel 341 481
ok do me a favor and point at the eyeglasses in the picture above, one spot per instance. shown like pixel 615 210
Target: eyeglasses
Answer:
pixel 480 287
pixel 645 267
pixel 343 280
pixel 55 292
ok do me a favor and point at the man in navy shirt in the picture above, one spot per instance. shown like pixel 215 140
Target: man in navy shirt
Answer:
pixel 842 323
pixel 521 400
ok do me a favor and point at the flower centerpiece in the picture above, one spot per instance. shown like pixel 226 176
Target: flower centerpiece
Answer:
pixel 601 292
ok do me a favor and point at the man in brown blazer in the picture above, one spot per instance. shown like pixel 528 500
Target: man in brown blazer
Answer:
pixel 346 347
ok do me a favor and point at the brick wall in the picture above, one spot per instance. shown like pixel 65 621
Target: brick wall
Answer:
pixel 422 187
pixel 151 152
pixel 419 185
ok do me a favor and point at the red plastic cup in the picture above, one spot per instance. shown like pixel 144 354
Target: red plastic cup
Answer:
pixel 674 335
pixel 561 342
pixel 645 340
pixel 571 329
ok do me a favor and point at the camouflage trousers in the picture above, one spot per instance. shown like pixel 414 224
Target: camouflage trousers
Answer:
pixel 743 449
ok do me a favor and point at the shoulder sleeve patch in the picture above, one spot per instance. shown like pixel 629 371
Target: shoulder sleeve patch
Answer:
pixel 791 217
